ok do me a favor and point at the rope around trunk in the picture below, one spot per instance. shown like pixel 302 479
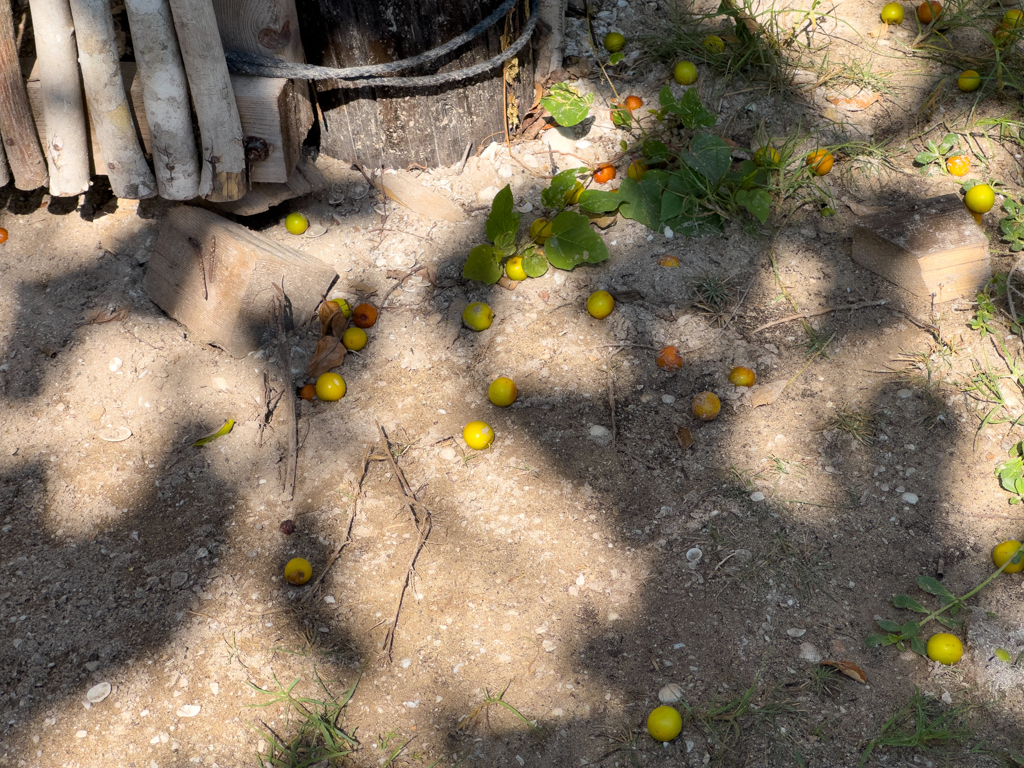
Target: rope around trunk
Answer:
pixel 262 66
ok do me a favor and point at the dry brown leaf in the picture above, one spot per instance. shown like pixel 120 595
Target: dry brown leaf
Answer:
pixel 326 311
pixel 337 325
pixel 849 669
pixel 766 394
pixel 684 437
pixel 865 210
pixel 832 114
pixel 861 101
pixel 329 353
pixel 101 316
pixel 363 289
pixel 880 30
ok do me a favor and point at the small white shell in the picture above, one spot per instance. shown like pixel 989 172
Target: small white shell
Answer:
pixel 670 694
pixel 694 555
pixel 98 693
pixel 315 230
pixel 115 434
pixel 188 710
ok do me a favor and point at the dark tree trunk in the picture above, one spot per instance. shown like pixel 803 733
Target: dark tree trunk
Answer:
pixel 398 126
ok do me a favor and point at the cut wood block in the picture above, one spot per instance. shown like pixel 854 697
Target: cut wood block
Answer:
pixel 274 114
pixel 932 248
pixel 305 179
pixel 217 278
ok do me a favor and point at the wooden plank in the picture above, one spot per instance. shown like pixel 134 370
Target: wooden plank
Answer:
pixel 931 248
pixel 305 179
pixel 264 27
pixel 216 278
pixel 21 142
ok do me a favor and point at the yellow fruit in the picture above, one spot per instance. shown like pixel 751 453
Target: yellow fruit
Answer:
pixel 354 338
pixel 477 316
pixel 945 648
pixel 296 223
pixel 514 268
pixel 614 41
pixel 714 44
pixel 343 305
pixel 664 723
pixel 573 195
pixel 968 81
pixel 980 198
pixel 706 406
pixel 636 170
pixel 502 392
pixel 478 435
pixel 600 304
pixel 820 161
pixel 685 73
pixel 742 377
pixel 892 13
pixel 540 230
pixel 297 571
pixel 1004 552
pixel 767 155
pixel 1013 18
pixel 330 386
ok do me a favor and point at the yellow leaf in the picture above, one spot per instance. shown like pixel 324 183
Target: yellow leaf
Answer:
pixel 228 426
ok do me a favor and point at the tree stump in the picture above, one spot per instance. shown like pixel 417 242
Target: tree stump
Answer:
pixel 397 126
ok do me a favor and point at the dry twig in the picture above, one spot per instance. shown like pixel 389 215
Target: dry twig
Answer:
pixel 288 396
pixel 805 315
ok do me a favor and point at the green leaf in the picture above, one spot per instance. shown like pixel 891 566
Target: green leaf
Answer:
pixel 699 225
pixel 505 244
pixel 688 109
pixel 599 201
pixel 642 200
pixel 906 601
pixel 228 426
pixel 933 586
pixel 483 264
pixel 573 242
pixel 535 263
pixel 757 201
pixel 917 645
pixel 910 629
pixel 889 626
pixel 709 156
pixel 561 185
pixel 925 158
pixel 655 151
pixel 947 622
pixel 503 217
pixel 948 142
pixel 874 641
pixel 616 57
pixel 1002 655
pixel 566 105
pixel 622 117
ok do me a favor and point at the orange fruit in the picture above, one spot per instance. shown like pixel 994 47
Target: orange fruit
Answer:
pixel 308 392
pixel 669 359
pixel 364 316
pixel 742 377
pixel 668 261
pixel 958 165
pixel 706 406
pixel 604 174
pixel 634 102
pixel 929 11
pixel 820 161
pixel 3 235
pixel 767 155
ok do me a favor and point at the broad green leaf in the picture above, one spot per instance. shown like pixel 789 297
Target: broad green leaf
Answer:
pixel 874 641
pixel 483 264
pixel 505 244
pixel 948 142
pixel 889 626
pixel 917 645
pixel 535 263
pixel 642 201
pixel 906 601
pixel 947 622
pixel 655 151
pixel 910 629
pixel 561 185
pixel 573 242
pixel 566 105
pixel 925 158
pixel 709 156
pixel 503 217
pixel 228 426
pixel 698 226
pixel 688 109
pixel 599 201
pixel 933 586
pixel 622 117
pixel 616 57
pixel 687 182
pixel 757 201
pixel 1002 655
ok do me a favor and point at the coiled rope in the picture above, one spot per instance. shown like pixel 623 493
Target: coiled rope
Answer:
pixel 369 76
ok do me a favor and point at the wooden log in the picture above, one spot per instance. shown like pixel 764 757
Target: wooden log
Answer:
pixel 932 248
pixel 16 125
pixel 262 110
pixel 268 28
pixel 5 173
pixel 66 141
pixel 223 155
pixel 165 97
pixel 398 126
pixel 216 278
pixel 127 169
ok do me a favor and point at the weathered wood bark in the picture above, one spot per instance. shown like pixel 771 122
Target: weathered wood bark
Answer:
pixel 399 126
pixel 16 124
pixel 165 95
pixel 66 142
pixel 268 28
pixel 217 278
pixel 306 178
pixel 551 48
pixel 127 169
pixel 5 174
pixel 223 155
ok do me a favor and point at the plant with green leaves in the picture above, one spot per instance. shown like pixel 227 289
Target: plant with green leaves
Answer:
pixel 937 153
pixel 1011 473
pixel 909 632
pixel 924 723
pixel 1012 224
pixel 567 105
pixel 572 242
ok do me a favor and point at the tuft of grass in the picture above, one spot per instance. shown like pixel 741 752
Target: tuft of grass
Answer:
pixel 623 739
pixel 858 424
pixel 714 294
pixel 925 724
pixel 492 700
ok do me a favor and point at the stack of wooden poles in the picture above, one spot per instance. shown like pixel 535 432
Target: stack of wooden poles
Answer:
pixel 208 133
